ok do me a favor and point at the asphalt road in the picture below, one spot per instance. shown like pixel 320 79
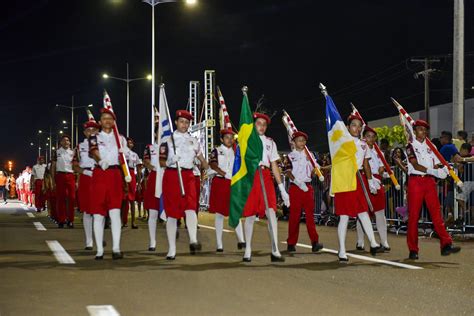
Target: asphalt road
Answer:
pixel 33 282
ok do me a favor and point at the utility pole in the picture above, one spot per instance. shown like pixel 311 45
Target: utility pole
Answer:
pixel 426 74
pixel 458 67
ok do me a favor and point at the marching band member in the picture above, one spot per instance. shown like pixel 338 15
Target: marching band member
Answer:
pixel 129 201
pixel 151 160
pixel 181 149
pixel 423 169
pixel 299 171
pixel 222 161
pixel 37 175
pixel 378 199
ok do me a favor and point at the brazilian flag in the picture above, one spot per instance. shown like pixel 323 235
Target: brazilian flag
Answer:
pixel 247 157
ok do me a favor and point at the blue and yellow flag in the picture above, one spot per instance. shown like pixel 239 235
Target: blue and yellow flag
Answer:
pixel 247 157
pixel 343 151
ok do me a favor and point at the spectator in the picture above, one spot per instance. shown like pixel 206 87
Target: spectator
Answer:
pixel 437 143
pixel 448 149
pixel 472 143
pixel 3 186
pixel 399 159
pixel 385 148
pixel 462 138
pixel 467 175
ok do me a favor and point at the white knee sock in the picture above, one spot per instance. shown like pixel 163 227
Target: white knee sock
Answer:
pixel 248 235
pixel 381 223
pixel 341 234
pixel 360 235
pixel 273 230
pixel 191 224
pixel 171 227
pixel 152 218
pixel 367 225
pixel 239 232
pixel 98 224
pixel 219 223
pixel 116 227
pixel 87 222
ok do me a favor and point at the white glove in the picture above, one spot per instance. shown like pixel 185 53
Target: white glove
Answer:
pixel 440 173
pixel 103 164
pixel 301 185
pixel 228 176
pixel 374 185
pixel 385 175
pixel 175 158
pixel 284 195
pixel 87 172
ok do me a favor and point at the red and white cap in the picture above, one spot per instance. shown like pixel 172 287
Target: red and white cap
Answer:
pixel 227 131
pixel 184 114
pixel 421 123
pixel 258 115
pixel 369 129
pixel 298 134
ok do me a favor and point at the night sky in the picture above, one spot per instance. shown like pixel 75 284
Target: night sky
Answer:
pixel 54 49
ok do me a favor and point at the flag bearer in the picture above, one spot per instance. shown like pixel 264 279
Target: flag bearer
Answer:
pixel 378 199
pixel 355 203
pixel 222 162
pixel 299 170
pixel 107 182
pixel 423 169
pixel 255 205
pixel 181 148
pixel 65 183
pixel 84 165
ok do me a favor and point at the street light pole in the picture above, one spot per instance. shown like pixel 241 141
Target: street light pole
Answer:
pixel 72 122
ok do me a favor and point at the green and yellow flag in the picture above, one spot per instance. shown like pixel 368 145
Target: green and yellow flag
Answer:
pixel 247 157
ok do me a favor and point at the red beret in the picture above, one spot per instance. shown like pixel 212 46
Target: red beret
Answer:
pixel 369 129
pixel 257 115
pixel 91 123
pixel 227 131
pixel 353 117
pixel 185 114
pixel 421 123
pixel 106 110
pixel 298 134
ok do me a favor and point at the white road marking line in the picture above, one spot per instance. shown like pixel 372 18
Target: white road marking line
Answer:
pixel 60 253
pixel 39 226
pixel 30 214
pixel 213 228
pixel 102 310
pixel 381 261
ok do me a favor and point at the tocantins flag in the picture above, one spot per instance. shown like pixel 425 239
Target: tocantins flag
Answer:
pixel 247 157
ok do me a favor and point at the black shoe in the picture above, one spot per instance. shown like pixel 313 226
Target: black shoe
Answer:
pixel 194 247
pixel 124 225
pixel 375 250
pixel 249 259
pixel 241 245
pixel 315 247
pixel 99 257
pixel 359 248
pixel 343 260
pixel 151 248
pixel 277 259
pixel 61 225
pixel 386 249
pixel 134 227
pixel 220 250
pixel 449 249
pixel 413 255
pixel 177 234
pixel 70 225
pixel 88 248
pixel 291 248
pixel 170 257
pixel 117 255
pixel 104 243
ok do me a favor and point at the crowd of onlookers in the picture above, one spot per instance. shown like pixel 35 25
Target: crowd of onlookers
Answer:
pixel 7 186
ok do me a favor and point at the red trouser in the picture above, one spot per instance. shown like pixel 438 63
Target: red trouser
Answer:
pixel 197 180
pixel 39 196
pixel 65 193
pixel 424 189
pixel 301 200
